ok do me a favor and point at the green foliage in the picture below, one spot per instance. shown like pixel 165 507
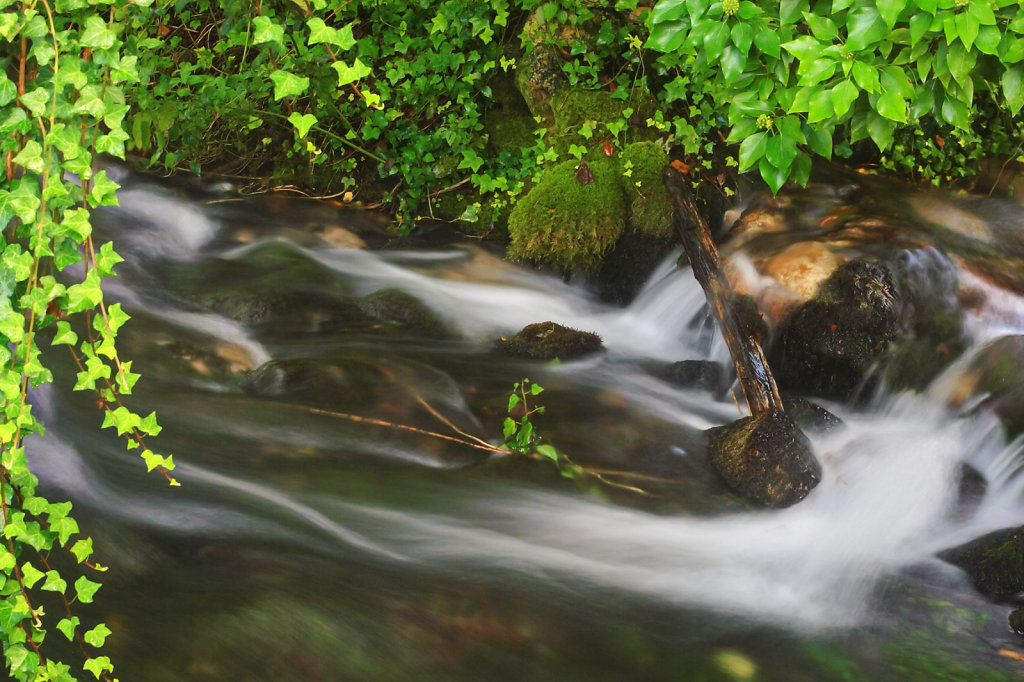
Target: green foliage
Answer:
pixel 806 78
pixel 62 102
pixel 329 85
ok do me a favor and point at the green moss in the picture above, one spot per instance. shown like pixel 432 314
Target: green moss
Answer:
pixel 568 225
pixel 548 340
pixel 650 206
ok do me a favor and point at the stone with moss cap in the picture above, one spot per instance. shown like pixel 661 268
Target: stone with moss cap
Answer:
pixel 566 224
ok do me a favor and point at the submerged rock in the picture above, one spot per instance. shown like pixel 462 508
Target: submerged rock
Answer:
pixel 704 375
pixel 994 562
pixel 396 307
pixel 765 459
pixel 1016 621
pixel 548 340
pixel 994 374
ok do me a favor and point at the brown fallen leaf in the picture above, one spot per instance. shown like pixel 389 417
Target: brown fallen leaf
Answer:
pixel 1010 653
pixel 583 174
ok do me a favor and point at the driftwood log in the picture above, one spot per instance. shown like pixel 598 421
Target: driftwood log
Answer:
pixel 765 457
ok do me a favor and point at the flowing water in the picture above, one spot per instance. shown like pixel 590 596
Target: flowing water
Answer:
pixel 303 545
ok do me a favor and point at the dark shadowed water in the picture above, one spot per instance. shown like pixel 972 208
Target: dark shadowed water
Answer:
pixel 306 546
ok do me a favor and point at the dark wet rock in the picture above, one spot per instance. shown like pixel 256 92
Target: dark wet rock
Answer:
pixel 295 376
pixel 396 307
pixel 1016 621
pixel 628 266
pixel 548 340
pixel 994 562
pixel 827 346
pixel 765 459
pixel 700 374
pixel 971 489
pixel 810 416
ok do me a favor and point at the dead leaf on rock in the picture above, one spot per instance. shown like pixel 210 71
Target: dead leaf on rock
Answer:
pixel 583 174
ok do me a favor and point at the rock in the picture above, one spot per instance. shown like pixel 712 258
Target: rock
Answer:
pixel 396 307
pixel 971 489
pixel 548 340
pixel 1016 621
pixel 994 562
pixel 566 224
pixel 700 374
pixel 827 346
pixel 810 416
pixel 765 459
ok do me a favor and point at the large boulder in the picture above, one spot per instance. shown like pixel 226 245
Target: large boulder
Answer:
pixel 765 459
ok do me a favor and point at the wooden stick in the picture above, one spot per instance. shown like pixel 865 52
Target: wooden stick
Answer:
pixel 752 369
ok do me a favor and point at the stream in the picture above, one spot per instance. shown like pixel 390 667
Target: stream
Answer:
pixel 305 545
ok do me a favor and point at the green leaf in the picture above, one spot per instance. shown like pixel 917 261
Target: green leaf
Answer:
pixel 348 74
pixel 791 10
pixel 891 105
pixel 85 589
pixel 752 150
pixel 668 37
pixel 742 36
pixel 988 40
pixel 1013 88
pixel 767 40
pixel 31 157
pixel 97 666
pixel 880 130
pixel 82 549
pixel 667 11
pixel 733 63
pixel 96 34
pixel 823 28
pixel 302 122
pixel 819 139
pixel 890 10
pixel 715 40
pixel 843 95
pixel 820 106
pixel 775 177
pixel 30 575
pixel 547 451
pixel 104 191
pixel 866 76
pixel 287 84
pixel 865 28
pixel 804 48
pixel 513 400
pixel 265 30
pixel 967 28
pixel 68 626
pixel 780 150
pixel 8 91
pixel 97 636
pixel 54 583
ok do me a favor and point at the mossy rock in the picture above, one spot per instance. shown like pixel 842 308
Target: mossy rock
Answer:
pixel 548 340
pixel 566 224
pixel 765 459
pixel 994 562
pixel 703 375
pixel 538 75
pixel 650 206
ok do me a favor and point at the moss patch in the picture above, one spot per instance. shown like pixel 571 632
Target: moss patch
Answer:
pixel 566 224
pixel 548 340
pixel 650 206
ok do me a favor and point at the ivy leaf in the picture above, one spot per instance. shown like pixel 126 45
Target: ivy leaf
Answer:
pixel 54 583
pixel 715 40
pixel 96 34
pixel 880 130
pixel 843 95
pixel 768 41
pixel 31 157
pixel 85 589
pixel 890 10
pixel 82 550
pixel 8 91
pixel 265 30
pixel 820 106
pixel 819 139
pixel 68 626
pixel 348 74
pixel 287 84
pixel 104 190
pixel 891 105
pixel 742 36
pixel 302 122
pixel 97 666
pixel 97 635
pixel 106 259
pixel 668 36
pixel 30 575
